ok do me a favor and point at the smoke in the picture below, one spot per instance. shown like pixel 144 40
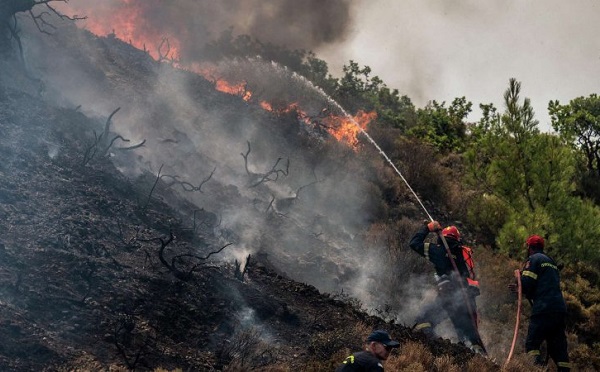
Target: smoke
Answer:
pixel 306 220
pixel 315 235
pixel 428 50
pixel 439 50
pixel 305 25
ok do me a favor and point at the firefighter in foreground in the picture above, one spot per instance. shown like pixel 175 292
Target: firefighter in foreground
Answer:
pixel 378 347
pixel 540 282
pixel 455 294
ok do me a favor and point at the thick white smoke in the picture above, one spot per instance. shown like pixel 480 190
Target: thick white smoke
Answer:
pixel 439 49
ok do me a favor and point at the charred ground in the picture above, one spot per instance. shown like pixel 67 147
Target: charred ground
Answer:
pixel 86 286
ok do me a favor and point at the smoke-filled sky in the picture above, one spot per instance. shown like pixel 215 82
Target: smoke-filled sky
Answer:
pixel 427 49
pixel 441 49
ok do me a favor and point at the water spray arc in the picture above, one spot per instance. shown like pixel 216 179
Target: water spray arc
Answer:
pixel 369 138
pixel 443 239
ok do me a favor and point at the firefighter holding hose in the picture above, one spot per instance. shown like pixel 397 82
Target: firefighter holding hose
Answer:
pixel 540 284
pixel 457 286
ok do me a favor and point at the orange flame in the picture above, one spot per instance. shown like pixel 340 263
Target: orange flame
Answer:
pixel 127 24
pixel 346 129
pixel 234 89
pixel 266 105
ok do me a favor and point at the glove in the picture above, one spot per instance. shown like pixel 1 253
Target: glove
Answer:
pixel 513 288
pixel 434 226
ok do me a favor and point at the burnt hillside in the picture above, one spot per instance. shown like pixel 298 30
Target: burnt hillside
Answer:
pixel 83 286
pixel 197 248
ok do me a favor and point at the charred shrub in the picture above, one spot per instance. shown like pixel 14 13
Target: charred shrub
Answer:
pixel 246 350
pixel 325 344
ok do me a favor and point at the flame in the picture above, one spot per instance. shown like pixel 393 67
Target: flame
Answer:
pixel 266 105
pixel 234 89
pixel 346 128
pixel 128 25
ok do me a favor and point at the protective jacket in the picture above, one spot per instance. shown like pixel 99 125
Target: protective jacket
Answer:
pixel 362 361
pixel 450 300
pixel 438 256
pixel 540 280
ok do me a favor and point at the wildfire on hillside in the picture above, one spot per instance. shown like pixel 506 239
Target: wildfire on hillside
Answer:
pixel 129 26
pixel 347 129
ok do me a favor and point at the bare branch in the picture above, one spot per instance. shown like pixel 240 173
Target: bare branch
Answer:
pixel 245 156
pixel 132 147
pixel 165 57
pixel 270 176
pixel 152 190
pixel 161 251
pixel 270 204
pixel 188 186
pixel 40 19
pixel 57 13
pixel 109 122
pixel 273 174
pixel 101 142
pixel 172 266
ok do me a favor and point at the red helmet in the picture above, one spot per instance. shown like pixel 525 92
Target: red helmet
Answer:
pixel 451 232
pixel 535 242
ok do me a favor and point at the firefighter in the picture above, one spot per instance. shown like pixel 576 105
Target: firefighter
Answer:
pixel 455 295
pixel 378 347
pixel 540 283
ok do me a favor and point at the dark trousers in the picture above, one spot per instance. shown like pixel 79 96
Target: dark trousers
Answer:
pixel 450 303
pixel 549 327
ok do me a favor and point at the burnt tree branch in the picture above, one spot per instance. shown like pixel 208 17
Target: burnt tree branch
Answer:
pixel 270 176
pixel 102 145
pixel 165 57
pixel 186 185
pixel 195 267
pixel 145 206
pixel 183 275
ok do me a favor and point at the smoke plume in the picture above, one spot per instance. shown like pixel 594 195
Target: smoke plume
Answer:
pixel 294 24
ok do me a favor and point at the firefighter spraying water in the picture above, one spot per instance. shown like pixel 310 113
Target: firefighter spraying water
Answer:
pixel 457 285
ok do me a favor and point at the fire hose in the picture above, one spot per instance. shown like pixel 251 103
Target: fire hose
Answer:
pixel 462 286
pixel 463 291
pixel 514 341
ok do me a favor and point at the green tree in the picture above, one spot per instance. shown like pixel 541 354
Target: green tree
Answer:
pixel 443 127
pixel 317 71
pixel 394 111
pixel 300 61
pixel 532 175
pixel 578 123
pixel 357 88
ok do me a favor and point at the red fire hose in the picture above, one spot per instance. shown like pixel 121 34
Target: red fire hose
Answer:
pixel 514 341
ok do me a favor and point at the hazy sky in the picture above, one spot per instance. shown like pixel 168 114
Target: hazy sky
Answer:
pixel 441 49
pixel 427 49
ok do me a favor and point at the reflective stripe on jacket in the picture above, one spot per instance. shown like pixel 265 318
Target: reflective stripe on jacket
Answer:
pixel 540 280
pixel 437 254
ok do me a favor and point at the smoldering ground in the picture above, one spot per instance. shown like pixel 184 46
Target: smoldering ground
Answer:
pixel 190 137
pixel 311 221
